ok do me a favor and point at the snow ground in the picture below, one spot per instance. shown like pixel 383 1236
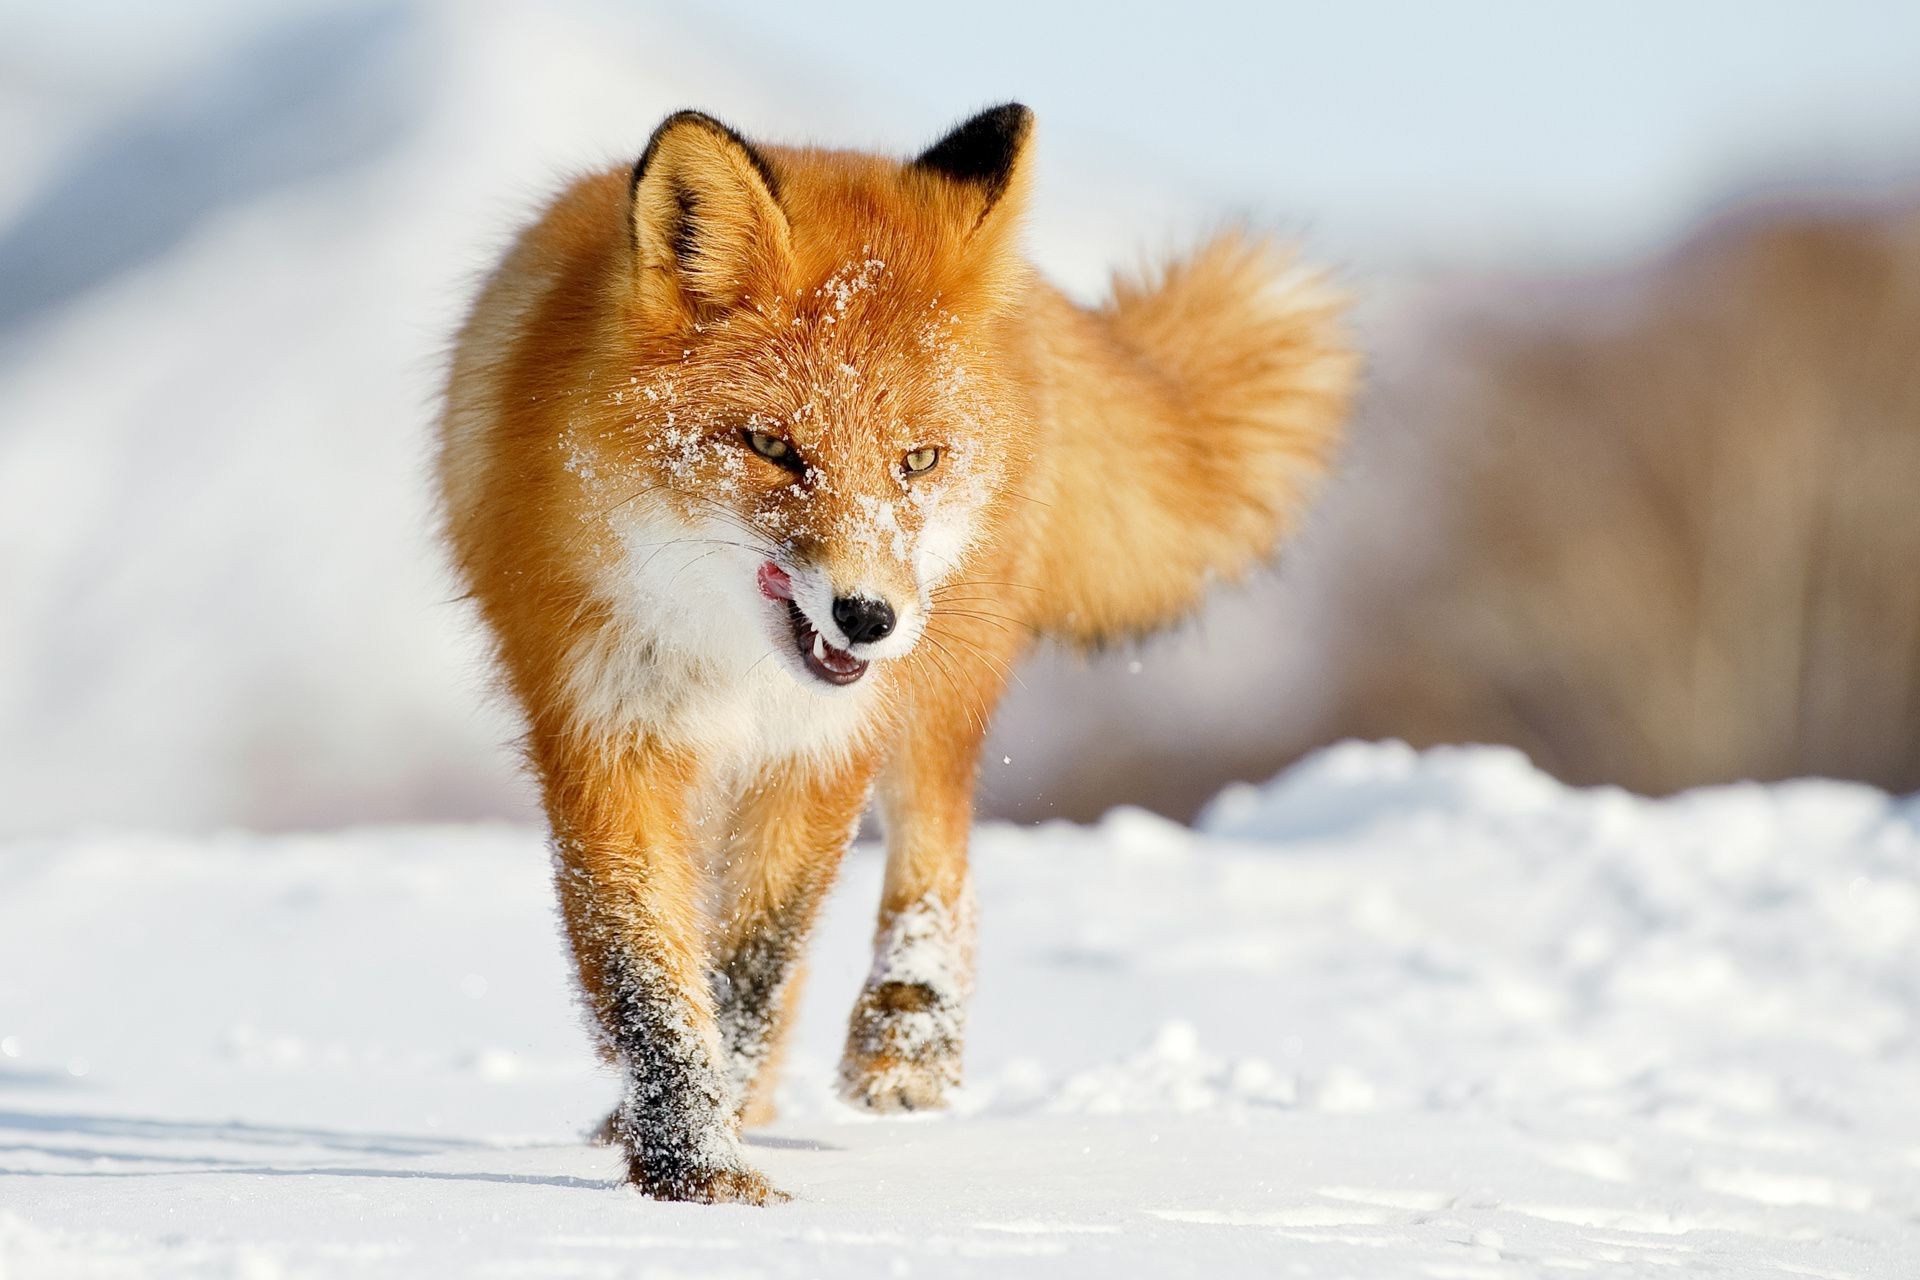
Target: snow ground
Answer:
pixel 1393 1015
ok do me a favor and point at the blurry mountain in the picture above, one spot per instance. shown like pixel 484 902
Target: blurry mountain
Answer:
pixel 321 93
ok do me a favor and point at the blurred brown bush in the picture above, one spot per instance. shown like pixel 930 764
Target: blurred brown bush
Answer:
pixel 1660 530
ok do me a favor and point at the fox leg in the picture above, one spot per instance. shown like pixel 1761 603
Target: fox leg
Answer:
pixel 629 893
pixel 905 1035
pixel 792 831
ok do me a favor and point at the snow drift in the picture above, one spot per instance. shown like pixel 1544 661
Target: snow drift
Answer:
pixel 1394 1014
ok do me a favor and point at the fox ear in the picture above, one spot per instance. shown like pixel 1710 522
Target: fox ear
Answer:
pixel 985 156
pixel 705 217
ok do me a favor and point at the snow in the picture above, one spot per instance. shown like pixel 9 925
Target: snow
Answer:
pixel 1394 1014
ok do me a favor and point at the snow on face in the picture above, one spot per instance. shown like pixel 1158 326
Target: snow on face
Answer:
pixel 850 377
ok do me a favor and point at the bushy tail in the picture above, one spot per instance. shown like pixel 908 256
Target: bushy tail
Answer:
pixel 1201 404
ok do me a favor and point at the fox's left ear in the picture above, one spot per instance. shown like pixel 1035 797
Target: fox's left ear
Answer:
pixel 985 160
pixel 706 221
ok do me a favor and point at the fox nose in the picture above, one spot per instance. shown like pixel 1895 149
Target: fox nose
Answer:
pixel 863 620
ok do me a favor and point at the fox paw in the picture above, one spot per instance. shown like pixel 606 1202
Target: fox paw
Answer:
pixel 758 1111
pixel 903 1049
pixel 888 1086
pixel 705 1184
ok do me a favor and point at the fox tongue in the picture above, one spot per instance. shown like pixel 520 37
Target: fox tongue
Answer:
pixel 774 582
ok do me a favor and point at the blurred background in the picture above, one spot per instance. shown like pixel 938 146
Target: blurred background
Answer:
pixel 1635 484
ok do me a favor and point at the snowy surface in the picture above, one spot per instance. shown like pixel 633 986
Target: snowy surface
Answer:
pixel 1393 1015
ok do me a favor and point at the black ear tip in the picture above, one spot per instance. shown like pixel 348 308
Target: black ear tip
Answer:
pixel 983 149
pixel 1011 118
pixel 686 117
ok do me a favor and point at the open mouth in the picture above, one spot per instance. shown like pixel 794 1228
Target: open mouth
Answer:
pixel 835 666
pixel 824 661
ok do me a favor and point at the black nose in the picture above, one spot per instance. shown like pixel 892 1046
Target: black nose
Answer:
pixel 862 619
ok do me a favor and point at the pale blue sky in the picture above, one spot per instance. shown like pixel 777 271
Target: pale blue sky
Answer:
pixel 1463 130
pixel 1490 119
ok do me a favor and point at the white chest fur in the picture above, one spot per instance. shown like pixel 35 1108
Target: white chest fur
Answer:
pixel 691 654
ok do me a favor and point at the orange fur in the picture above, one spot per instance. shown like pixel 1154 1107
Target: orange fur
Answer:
pixel 725 367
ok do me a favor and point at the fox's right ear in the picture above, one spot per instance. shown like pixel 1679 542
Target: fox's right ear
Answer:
pixel 706 221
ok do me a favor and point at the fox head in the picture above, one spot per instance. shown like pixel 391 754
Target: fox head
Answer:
pixel 811 420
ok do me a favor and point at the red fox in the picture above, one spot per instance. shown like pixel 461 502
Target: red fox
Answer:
pixel 764 465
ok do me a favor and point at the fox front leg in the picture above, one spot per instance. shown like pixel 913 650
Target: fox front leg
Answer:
pixel 789 838
pixel 628 892
pixel 905 1036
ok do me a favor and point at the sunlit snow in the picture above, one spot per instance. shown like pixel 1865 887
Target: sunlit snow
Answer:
pixel 1392 1015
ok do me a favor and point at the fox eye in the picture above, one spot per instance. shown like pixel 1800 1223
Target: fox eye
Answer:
pixel 773 449
pixel 922 460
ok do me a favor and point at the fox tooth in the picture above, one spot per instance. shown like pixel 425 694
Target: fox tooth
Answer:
pixel 819 647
